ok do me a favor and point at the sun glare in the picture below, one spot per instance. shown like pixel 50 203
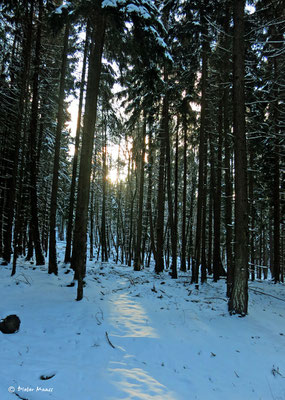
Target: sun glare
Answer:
pixel 113 176
pixel 117 155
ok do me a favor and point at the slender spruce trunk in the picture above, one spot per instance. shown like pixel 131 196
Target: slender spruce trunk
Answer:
pixel 33 167
pixel 217 262
pixel 138 257
pixel 159 262
pixel 238 303
pixel 204 214
pixel 104 252
pixel 92 206
pixel 26 56
pixel 67 257
pixel 252 214
pixel 149 199
pixel 277 150
pixel 173 236
pixel 80 231
pixel 227 161
pixel 52 267
pixel 202 139
pixel 175 219
pixel 184 201
pixel 210 231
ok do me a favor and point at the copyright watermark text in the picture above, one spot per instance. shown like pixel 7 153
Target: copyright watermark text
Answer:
pixel 19 388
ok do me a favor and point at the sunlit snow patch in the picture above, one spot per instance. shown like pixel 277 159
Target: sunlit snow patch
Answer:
pixel 130 318
pixel 139 384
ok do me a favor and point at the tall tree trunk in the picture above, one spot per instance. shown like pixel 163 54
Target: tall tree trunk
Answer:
pixel 201 190
pixel 217 262
pixel 184 200
pixel 227 159
pixel 204 214
pixel 91 233
pixel 26 56
pixel 190 222
pixel 276 213
pixel 149 198
pixel 173 236
pixel 67 257
pixel 252 214
pixel 52 267
pixel 119 223
pixel 131 202
pixel 175 219
pixel 32 145
pixel 80 231
pixel 104 252
pixel 19 246
pixel 159 263
pixel 238 303
pixel 277 148
pixel 138 258
pixel 210 231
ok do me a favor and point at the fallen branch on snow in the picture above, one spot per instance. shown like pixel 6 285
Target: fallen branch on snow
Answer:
pixel 266 294
pixel 20 397
pixel 217 298
pixel 109 341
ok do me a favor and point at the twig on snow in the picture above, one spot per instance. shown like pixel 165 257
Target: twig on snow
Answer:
pixel 218 298
pixel 109 341
pixel 99 321
pixel 20 397
pixel 275 372
pixel 266 294
pixel 26 280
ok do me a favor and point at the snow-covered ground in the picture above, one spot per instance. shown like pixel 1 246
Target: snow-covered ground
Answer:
pixel 135 336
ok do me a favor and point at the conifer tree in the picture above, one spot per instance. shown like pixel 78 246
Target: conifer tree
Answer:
pixel 52 268
pixel 238 303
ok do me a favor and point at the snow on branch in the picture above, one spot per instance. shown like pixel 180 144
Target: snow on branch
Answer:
pixel 59 9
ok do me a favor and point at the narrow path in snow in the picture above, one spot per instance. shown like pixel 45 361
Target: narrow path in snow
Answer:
pixel 133 330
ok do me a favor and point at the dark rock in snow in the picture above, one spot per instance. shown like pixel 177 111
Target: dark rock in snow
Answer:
pixel 10 324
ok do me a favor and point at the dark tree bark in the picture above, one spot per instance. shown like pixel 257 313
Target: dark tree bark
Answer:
pixel 204 214
pixel 173 234
pixel 227 158
pixel 175 219
pixel 92 206
pixel 217 262
pixel 52 267
pixel 210 230
pixel 184 200
pixel 12 181
pixel 80 231
pixel 190 223
pixel 202 140
pixel 238 303
pixel 252 214
pixel 276 214
pixel 104 251
pixel 67 257
pixel 119 224
pixel 277 38
pixel 27 45
pixel 138 258
pixel 159 262
pixel 33 167
pixel 149 199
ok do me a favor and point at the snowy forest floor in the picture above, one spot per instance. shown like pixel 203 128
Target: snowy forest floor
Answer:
pixel 136 335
